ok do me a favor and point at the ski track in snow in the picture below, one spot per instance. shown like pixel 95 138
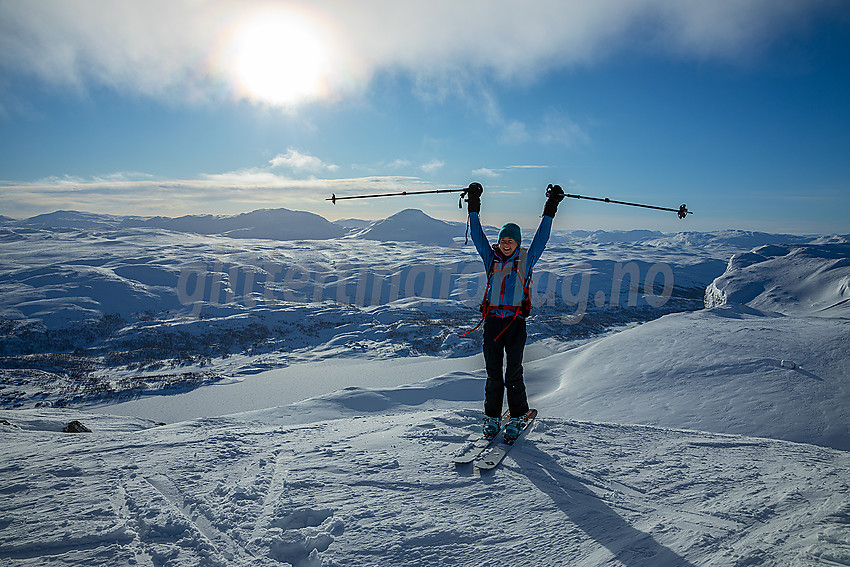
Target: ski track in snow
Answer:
pixel 379 489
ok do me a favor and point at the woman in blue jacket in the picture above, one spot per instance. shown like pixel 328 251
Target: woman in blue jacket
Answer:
pixel 506 305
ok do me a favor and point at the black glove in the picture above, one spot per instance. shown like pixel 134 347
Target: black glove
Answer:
pixel 473 197
pixel 555 195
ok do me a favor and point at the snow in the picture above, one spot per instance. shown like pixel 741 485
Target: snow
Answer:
pixel 715 370
pixel 314 424
pixel 410 225
pixel 276 224
pixel 806 279
pixel 376 489
pixel 283 386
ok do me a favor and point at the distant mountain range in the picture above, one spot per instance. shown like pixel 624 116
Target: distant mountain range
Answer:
pixel 411 225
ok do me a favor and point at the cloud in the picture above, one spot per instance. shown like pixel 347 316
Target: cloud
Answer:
pixel 266 177
pixel 211 193
pixel 399 163
pixel 183 51
pixel 250 188
pixel 432 166
pixel 299 162
pixel 497 172
pixel 485 172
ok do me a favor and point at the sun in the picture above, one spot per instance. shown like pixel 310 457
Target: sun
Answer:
pixel 280 58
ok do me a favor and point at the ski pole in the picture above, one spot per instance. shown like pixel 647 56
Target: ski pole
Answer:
pixel 682 210
pixel 333 198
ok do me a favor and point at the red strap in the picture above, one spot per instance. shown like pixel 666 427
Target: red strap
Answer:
pixel 488 307
pixel 516 312
pixel 486 312
pixel 484 316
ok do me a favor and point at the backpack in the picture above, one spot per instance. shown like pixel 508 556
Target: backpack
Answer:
pixel 523 309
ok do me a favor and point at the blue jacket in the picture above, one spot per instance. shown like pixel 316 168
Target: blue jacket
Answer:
pixel 506 284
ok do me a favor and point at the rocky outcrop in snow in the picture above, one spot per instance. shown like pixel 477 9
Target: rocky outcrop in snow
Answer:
pixel 75 426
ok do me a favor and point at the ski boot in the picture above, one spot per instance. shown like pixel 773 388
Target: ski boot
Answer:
pixel 491 426
pixel 515 427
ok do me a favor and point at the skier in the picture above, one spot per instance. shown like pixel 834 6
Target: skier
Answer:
pixel 507 302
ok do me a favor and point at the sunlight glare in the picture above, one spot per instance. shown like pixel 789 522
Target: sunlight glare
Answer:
pixel 280 58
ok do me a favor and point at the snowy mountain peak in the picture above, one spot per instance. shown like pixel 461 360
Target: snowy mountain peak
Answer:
pixel 274 224
pixel 71 219
pixel 602 236
pixel 412 225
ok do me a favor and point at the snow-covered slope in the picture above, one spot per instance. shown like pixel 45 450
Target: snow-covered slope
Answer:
pixel 412 225
pixel 811 279
pixel 352 224
pixel 69 220
pixel 275 224
pixel 724 238
pixel 375 487
pixel 108 310
pixel 708 437
pixel 731 368
pixel 726 370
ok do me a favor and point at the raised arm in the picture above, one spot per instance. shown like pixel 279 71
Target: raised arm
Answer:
pixel 554 195
pixel 473 199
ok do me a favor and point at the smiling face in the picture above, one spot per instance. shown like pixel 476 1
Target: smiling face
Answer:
pixel 507 246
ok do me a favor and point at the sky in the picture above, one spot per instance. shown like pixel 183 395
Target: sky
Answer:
pixel 738 108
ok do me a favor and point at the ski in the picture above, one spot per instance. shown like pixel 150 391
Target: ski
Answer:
pixel 477 444
pixel 492 457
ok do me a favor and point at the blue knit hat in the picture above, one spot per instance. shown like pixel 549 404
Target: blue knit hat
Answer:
pixel 511 230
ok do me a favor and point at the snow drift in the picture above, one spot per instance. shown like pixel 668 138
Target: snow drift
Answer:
pixel 809 279
pixel 726 370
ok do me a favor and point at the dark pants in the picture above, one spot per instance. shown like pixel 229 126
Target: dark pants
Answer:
pixel 510 345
